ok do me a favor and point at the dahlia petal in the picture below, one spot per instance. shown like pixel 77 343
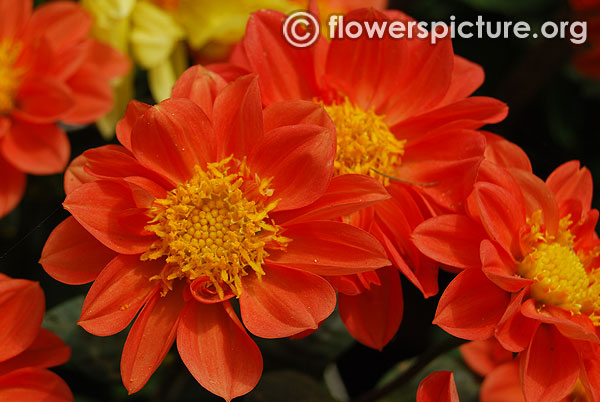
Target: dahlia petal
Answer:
pixel 34 384
pixel 515 330
pixel 438 387
pixel 75 175
pixel 285 302
pixel 93 97
pixel 43 100
pixel 108 61
pixel 113 161
pixel 22 304
pixel 572 326
pixel 12 186
pixel 420 272
pixel 63 24
pixel 135 110
pixel 237 117
pixel 471 306
pixel 590 370
pixel 346 194
pixel 374 316
pixel 72 255
pixel 570 181
pixel 173 137
pixel 466 78
pixel 330 248
pixel 300 160
pixel 501 215
pixel 118 293
pixel 47 350
pixel 505 153
pixel 201 86
pixel 217 351
pixel 228 71
pixel 292 112
pixel 445 164
pixel 150 339
pixel 500 268
pixel 538 196
pixel 484 356
pixel 502 384
pixel 424 79
pixel 450 239
pixel 290 70
pixel 549 367
pixel 36 149
pixel 14 17
pixel 351 66
pixel 100 207
pixel 470 113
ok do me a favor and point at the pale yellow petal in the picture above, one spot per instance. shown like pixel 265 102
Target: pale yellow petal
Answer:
pixel 154 34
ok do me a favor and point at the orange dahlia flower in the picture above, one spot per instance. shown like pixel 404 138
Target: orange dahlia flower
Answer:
pixel 28 350
pixel 500 372
pixel 50 71
pixel 402 110
pixel 211 200
pixel 531 274
pixel 438 387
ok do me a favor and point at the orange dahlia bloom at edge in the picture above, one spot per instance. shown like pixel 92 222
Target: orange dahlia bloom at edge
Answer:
pixel 50 71
pixel 211 200
pixel 402 110
pixel 531 277
pixel 28 350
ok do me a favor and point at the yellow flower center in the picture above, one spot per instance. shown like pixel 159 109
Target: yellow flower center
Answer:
pixel 562 276
pixel 9 75
pixel 365 144
pixel 209 228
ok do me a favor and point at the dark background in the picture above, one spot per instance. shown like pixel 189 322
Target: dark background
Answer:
pixel 553 117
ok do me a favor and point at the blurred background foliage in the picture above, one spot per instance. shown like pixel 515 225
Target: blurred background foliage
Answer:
pixel 553 116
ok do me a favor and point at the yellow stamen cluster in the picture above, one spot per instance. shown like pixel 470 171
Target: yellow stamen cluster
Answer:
pixel 365 144
pixel 207 227
pixel 563 277
pixel 9 75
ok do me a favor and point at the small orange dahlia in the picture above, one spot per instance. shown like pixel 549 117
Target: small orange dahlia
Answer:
pixel 50 71
pixel 28 350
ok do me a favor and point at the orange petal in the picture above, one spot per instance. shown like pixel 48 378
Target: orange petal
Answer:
pixel 118 293
pixel 549 367
pixel 216 349
pixel 34 384
pixel 200 86
pixel 72 255
pixel 22 305
pixel 285 302
pixel 12 187
pixel 438 387
pixel 37 149
pixel 450 239
pixel 471 306
pixel 300 160
pixel 47 350
pixel 150 338
pixel 330 248
pixel 373 316
pixel 173 137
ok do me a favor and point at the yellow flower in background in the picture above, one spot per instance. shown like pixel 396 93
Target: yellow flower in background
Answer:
pixel 161 36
